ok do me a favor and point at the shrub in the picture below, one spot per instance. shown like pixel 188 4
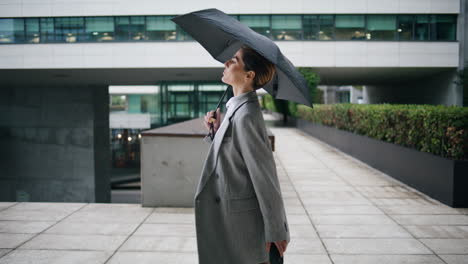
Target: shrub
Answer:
pixel 440 130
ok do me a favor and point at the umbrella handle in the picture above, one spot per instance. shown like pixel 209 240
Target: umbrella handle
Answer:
pixel 212 133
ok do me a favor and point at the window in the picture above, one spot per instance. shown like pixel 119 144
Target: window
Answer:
pixel 286 27
pixel 327 28
pixel 47 30
pixel 260 24
pixel 137 26
pixel 130 28
pixel 405 27
pixel 443 27
pixel 311 27
pixel 69 29
pixel 32 30
pixel 381 27
pixel 350 27
pixel 11 30
pixel 421 27
pixel 160 28
pixel 100 28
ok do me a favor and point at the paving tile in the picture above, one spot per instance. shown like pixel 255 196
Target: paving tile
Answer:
pixel 123 257
pixel 438 231
pixel 295 210
pixel 335 201
pixel 302 259
pixel 166 230
pixel 75 242
pixel 298 219
pixel 352 220
pixel 447 246
pixel 55 257
pixel 386 259
pixel 375 246
pixel 343 210
pixel 302 231
pixel 174 210
pixel 4 205
pixel 455 259
pixel 301 245
pixel 402 201
pixel 362 231
pixel 170 218
pixel 418 209
pixel 25 227
pixel 82 228
pixel 114 213
pixel 160 243
pixel 13 240
pixel 392 191
pixel 431 219
pixel 4 251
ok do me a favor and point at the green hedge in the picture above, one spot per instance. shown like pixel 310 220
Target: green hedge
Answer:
pixel 440 130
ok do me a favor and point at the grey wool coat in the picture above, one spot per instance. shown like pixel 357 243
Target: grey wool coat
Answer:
pixel 238 202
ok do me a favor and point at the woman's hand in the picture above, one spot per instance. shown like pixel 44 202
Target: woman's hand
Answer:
pixel 281 245
pixel 209 119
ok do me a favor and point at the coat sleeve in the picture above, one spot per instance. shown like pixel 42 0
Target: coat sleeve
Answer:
pixel 258 157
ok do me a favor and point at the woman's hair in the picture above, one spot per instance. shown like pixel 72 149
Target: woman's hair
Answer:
pixel 263 68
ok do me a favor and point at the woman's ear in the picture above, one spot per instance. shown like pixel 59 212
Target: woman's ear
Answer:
pixel 250 75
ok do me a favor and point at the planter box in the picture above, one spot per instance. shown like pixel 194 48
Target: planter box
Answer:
pixel 171 163
pixel 440 178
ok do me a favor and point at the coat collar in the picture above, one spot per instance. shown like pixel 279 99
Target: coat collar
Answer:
pixel 235 102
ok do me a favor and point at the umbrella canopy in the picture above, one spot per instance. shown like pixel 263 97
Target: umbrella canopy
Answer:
pixel 222 35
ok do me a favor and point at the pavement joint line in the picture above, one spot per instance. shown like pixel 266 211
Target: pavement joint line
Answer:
pixel 385 213
pixel 37 234
pixel 303 207
pixel 126 239
pixel 14 204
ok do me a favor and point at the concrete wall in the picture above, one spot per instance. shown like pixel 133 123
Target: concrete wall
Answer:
pixel 54 144
pixel 436 89
pixel 192 55
pixel 18 8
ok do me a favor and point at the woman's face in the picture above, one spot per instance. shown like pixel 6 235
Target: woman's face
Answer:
pixel 234 73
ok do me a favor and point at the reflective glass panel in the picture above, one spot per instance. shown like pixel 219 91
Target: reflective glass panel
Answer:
pixel 160 28
pixel 11 30
pixel 260 23
pixel 47 29
pixel 327 27
pixel 350 27
pixel 69 29
pixel 311 27
pixel 288 27
pixel 443 27
pixel 32 30
pixel 405 27
pixel 100 28
pixel 381 27
pixel 122 28
pixel 421 27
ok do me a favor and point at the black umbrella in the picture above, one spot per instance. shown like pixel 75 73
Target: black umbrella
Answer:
pixel 222 35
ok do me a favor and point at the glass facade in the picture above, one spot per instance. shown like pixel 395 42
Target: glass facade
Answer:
pixel 389 27
pixel 166 104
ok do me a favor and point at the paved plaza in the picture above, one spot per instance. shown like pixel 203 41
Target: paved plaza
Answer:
pixel 339 210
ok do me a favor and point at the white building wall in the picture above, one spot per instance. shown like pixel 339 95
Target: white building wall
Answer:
pixel 192 54
pixel 19 8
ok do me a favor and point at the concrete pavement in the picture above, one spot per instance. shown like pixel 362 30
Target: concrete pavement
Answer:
pixel 339 210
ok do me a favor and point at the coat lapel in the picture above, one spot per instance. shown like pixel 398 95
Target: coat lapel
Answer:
pixel 218 139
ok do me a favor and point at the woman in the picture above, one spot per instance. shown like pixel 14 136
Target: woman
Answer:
pixel 239 209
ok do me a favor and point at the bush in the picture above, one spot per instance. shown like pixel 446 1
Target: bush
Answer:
pixel 440 130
